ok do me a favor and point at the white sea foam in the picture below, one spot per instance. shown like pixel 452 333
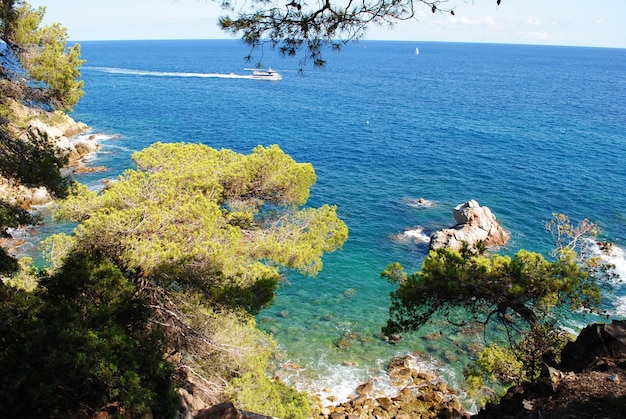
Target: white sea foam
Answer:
pixel 98 137
pixel 620 306
pixel 334 383
pixel 128 71
pixel 337 383
pixel 417 235
pixel 418 203
pixel 615 256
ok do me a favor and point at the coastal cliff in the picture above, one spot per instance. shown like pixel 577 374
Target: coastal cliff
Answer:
pixel 587 383
pixel 61 130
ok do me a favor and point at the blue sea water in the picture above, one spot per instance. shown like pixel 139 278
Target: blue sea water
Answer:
pixel 525 130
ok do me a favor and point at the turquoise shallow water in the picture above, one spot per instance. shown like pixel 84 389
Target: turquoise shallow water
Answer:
pixel 525 130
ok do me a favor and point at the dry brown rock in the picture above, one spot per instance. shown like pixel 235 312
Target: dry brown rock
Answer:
pixel 385 403
pixel 227 410
pixel 419 395
pixel 365 388
pixel 88 169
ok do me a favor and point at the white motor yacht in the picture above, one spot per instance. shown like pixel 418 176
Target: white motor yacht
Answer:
pixel 269 74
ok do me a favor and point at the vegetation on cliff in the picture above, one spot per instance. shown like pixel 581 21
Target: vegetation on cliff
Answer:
pixel 158 286
pixel 515 299
pixel 198 240
pixel 80 342
pixel 38 70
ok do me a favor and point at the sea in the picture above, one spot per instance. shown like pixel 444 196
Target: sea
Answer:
pixel 397 140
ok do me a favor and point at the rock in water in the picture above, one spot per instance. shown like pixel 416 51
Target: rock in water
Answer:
pixel 474 224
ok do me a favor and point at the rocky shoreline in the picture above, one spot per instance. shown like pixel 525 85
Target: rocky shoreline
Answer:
pixel 62 130
pixel 587 389
pixel 418 394
pixel 596 377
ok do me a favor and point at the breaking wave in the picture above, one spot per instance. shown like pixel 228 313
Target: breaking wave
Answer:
pixel 616 256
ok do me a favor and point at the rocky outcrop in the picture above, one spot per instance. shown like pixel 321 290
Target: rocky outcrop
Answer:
pixel 474 224
pixel 594 344
pixel 227 410
pixel 22 196
pixel 60 128
pixel 589 381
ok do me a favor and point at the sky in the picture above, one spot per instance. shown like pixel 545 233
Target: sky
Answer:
pixel 549 22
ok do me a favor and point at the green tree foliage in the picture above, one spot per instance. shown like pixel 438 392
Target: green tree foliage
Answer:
pixel 10 216
pixel 37 70
pixel 519 294
pixel 81 343
pixel 215 221
pixel 34 162
pixel 37 61
pixel 279 400
pixel 206 236
pixel 307 27
pixel 226 353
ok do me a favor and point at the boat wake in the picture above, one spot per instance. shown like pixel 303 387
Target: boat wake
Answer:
pixel 127 71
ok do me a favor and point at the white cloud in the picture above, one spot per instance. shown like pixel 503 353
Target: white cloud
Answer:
pixel 485 21
pixel 533 21
pixel 540 36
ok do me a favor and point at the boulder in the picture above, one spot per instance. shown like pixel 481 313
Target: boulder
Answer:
pixel 190 404
pixel 227 410
pixel 84 147
pixel 365 389
pixel 595 342
pixel 40 196
pixel 426 396
pixel 22 196
pixel 59 128
pixel 68 126
pixel 474 224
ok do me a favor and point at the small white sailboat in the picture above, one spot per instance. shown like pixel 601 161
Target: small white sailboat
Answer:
pixel 417 51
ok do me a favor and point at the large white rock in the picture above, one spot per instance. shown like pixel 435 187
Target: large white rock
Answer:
pixel 40 196
pixel 474 224
pixel 60 128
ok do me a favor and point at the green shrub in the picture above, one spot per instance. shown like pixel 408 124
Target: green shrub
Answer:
pixel 500 363
pixel 79 342
pixel 255 392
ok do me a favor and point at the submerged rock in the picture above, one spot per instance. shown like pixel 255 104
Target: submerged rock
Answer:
pixel 474 224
